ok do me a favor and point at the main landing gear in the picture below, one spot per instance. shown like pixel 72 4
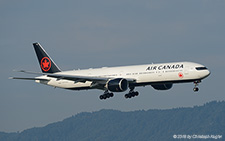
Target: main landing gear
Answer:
pixel 196 89
pixel 106 95
pixel 131 93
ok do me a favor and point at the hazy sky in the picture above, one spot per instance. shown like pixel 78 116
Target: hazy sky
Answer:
pixel 89 34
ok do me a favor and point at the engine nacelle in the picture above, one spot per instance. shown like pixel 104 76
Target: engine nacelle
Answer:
pixel 166 86
pixel 117 85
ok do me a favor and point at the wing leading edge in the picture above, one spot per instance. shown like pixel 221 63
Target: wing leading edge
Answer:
pixel 26 78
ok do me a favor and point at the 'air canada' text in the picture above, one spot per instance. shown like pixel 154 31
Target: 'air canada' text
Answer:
pixel 165 67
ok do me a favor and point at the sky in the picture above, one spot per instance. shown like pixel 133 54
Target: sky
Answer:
pixel 85 34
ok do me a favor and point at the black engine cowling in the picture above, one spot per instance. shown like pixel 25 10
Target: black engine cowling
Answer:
pixel 166 86
pixel 117 85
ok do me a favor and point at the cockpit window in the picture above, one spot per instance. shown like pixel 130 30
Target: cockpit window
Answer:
pixel 201 68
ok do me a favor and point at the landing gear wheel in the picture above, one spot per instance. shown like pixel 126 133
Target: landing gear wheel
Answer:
pixel 111 94
pixel 106 95
pixel 131 94
pixel 196 89
pixel 136 93
pixel 101 97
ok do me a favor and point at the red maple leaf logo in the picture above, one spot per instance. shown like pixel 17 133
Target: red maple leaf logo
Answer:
pixel 180 75
pixel 45 64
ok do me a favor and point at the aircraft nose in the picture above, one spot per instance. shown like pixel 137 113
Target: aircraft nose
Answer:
pixel 203 72
pixel 208 73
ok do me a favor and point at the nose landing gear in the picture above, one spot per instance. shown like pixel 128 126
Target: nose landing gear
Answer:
pixel 196 89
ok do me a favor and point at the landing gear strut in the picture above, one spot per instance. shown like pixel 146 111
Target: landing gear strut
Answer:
pixel 106 95
pixel 131 93
pixel 195 89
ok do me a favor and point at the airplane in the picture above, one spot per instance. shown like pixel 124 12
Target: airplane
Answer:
pixel 117 79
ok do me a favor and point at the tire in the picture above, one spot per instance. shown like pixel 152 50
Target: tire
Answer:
pixel 196 89
pixel 136 93
pixel 101 97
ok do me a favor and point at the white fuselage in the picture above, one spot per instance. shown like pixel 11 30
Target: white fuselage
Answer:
pixel 149 74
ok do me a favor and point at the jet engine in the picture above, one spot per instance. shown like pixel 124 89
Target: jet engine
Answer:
pixel 166 86
pixel 117 85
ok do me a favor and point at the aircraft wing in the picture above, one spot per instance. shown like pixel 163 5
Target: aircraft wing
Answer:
pixel 78 78
pixel 25 78
pixel 75 78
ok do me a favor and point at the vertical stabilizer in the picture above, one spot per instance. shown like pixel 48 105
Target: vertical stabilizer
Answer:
pixel 46 63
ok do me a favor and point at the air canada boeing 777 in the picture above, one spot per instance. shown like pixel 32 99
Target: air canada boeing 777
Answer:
pixel 117 79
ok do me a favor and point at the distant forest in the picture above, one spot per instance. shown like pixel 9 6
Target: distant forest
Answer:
pixel 105 125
